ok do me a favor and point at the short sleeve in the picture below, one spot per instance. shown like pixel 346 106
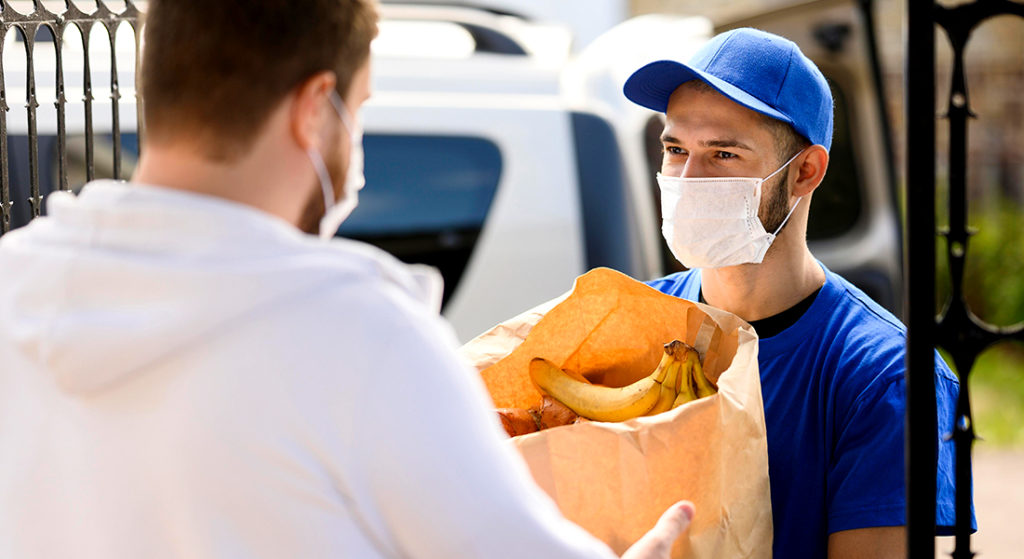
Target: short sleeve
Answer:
pixel 865 477
pixel 866 484
pixel 947 390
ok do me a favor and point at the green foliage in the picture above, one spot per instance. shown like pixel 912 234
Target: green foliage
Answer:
pixel 993 286
pixel 994 274
pixel 997 395
pixel 993 281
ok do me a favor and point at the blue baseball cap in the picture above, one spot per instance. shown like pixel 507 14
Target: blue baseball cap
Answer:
pixel 761 71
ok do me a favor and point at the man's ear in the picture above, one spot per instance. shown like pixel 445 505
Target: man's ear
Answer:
pixel 810 170
pixel 309 110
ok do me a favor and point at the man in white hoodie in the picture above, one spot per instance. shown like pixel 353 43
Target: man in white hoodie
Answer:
pixel 186 372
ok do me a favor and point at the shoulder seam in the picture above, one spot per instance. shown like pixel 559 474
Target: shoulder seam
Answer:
pixel 899 327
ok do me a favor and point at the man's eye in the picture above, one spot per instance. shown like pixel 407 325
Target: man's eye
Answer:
pixel 674 150
pixel 726 155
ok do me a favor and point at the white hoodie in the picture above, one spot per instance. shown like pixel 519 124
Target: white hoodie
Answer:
pixel 182 376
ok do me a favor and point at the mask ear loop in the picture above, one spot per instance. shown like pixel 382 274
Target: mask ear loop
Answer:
pixel 793 209
pixel 326 184
pixel 342 111
pixel 784 165
pixel 355 137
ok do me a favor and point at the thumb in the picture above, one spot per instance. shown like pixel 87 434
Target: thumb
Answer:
pixel 657 543
pixel 675 520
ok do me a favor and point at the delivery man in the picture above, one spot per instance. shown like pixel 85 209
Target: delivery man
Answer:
pixel 745 144
pixel 185 372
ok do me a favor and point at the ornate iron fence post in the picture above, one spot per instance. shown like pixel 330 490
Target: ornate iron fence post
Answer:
pixel 957 330
pixel 28 25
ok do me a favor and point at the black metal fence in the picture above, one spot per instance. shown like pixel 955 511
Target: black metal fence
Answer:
pixel 31 27
pixel 957 330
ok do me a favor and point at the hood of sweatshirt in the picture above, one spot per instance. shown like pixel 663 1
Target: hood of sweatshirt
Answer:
pixel 124 274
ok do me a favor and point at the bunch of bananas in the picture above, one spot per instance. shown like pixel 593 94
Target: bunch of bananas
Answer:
pixel 679 378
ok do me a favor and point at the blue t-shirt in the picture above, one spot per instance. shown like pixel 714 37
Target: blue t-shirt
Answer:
pixel 834 402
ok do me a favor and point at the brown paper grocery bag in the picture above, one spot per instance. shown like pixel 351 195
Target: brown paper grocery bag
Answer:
pixel 615 479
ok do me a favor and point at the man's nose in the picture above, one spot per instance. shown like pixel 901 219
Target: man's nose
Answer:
pixel 694 167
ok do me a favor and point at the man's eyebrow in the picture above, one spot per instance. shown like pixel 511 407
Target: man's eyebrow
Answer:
pixel 725 143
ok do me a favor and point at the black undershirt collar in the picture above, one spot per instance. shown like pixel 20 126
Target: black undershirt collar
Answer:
pixel 775 324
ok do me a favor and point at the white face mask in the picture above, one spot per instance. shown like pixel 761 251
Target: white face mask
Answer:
pixel 711 222
pixel 337 212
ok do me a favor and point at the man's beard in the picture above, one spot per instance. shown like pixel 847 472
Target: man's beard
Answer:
pixel 775 209
pixel 313 211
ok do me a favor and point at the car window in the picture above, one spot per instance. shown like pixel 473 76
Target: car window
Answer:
pixel 424 184
pixel 426 199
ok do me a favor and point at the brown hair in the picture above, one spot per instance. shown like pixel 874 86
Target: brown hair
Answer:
pixel 788 142
pixel 214 71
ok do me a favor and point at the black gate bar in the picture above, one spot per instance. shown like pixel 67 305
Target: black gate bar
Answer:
pixel 957 330
pixel 919 280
